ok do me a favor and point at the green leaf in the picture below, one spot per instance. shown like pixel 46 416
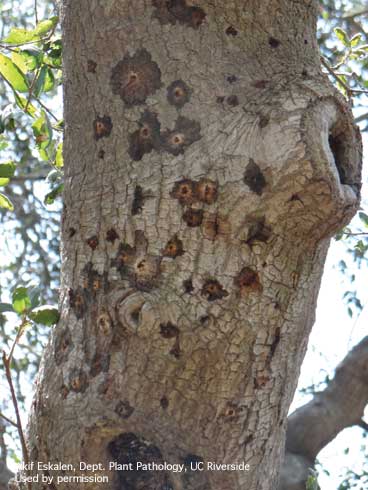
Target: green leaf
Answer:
pixel 12 74
pixel 7 169
pixel 4 307
pixel 59 161
pixel 354 41
pixel 45 26
pixel 22 36
pixel 22 103
pixel 5 202
pixel 40 82
pixel 52 195
pixel 342 36
pixel 49 81
pixel 4 182
pixel 45 315
pixel 20 299
pixel 364 218
pixel 19 36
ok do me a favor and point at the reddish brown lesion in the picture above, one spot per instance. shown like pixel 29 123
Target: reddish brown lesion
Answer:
pixel 174 248
pixel 248 280
pixel 102 127
pixel 214 226
pixel 178 93
pixel 207 190
pixel 213 290
pixel 184 191
pixel 193 217
pixel 136 77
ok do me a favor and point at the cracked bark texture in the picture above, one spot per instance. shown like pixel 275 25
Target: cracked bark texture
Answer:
pixel 184 324
pixel 314 425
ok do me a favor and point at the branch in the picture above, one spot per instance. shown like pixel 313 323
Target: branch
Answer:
pixel 312 426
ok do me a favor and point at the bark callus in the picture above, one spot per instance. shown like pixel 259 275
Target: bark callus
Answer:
pixel 129 448
pixel 135 78
pixel 254 178
pixel 146 138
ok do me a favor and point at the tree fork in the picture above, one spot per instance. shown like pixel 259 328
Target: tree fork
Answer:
pixel 207 163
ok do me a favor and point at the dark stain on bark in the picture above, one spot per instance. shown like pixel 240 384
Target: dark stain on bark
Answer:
pixel 101 154
pixel 191 478
pixel 188 285
pixel 232 79
pixel 206 191
pixel 138 200
pixel 124 409
pixel 77 302
pixel 231 31
pixel 72 232
pixel 220 99
pixel 146 138
pixel 185 133
pixel 93 281
pixel 164 402
pixel 264 120
pixel 92 242
pixel 176 351
pixel 232 100
pixel 136 77
pixel 213 290
pixel 248 280
pixel 178 93
pixel 273 42
pixel 254 178
pixel 173 11
pixel 275 342
pixel 102 127
pixel 100 364
pixel 63 345
pixel 193 217
pixel 129 448
pixel 78 381
pixel 91 66
pixel 173 248
pixel 124 258
pixel 215 226
pixel 184 191
pixel 111 235
pixel 168 330
pixel 258 230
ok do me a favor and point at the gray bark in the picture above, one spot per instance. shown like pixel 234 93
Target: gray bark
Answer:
pixel 207 163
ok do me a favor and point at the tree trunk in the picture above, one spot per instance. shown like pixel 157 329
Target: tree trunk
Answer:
pixel 207 163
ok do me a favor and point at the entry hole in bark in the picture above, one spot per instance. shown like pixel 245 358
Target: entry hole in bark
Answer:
pixel 178 93
pixel 102 127
pixel 168 330
pixel 184 191
pixel 174 248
